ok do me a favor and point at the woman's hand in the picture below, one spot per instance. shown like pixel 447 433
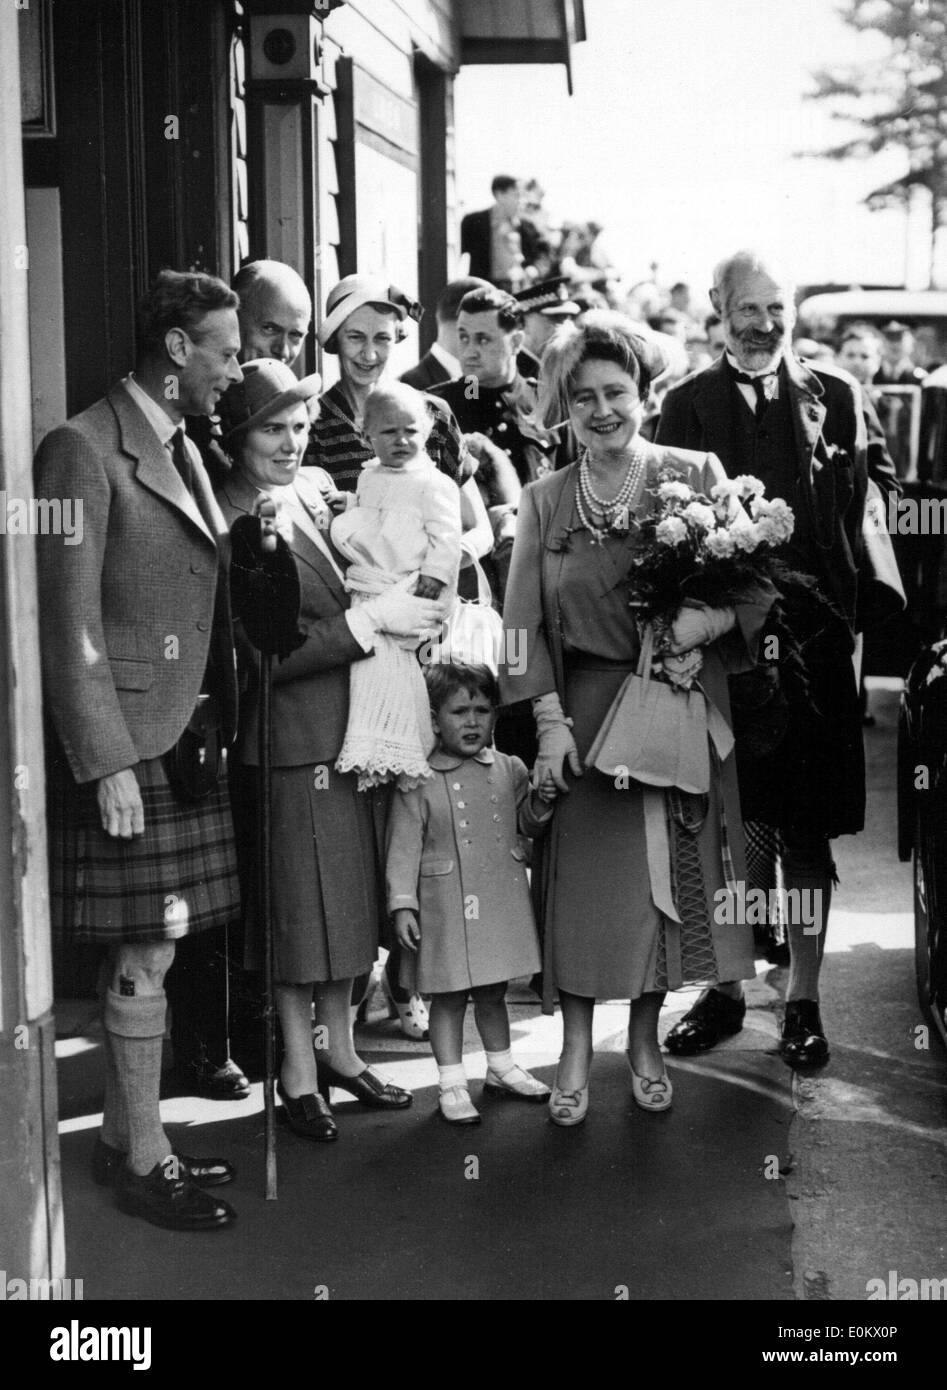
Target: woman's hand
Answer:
pixel 696 625
pixel 265 509
pixel 406 928
pixel 556 745
pixel 120 808
pixel 399 612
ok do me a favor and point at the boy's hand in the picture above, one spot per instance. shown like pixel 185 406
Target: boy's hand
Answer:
pixel 428 587
pixel 406 928
pixel 547 791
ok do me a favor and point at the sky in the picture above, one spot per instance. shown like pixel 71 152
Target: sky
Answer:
pixel 680 139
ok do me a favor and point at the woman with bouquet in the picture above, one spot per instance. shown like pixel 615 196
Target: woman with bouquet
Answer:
pixel 629 871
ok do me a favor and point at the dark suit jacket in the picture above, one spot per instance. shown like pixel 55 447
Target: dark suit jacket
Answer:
pixel 310 702
pixel 476 239
pixel 830 447
pixel 429 372
pixel 129 614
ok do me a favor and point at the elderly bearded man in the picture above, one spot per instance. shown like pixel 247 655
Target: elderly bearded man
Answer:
pixel 801 429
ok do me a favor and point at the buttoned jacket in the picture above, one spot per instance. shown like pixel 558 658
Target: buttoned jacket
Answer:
pixel 457 857
pixel 127 615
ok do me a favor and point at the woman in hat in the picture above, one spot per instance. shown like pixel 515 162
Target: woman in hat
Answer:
pixel 615 928
pixel 327 881
pixel 365 317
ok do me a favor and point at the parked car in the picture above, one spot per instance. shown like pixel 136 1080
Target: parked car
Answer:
pixel 922 821
pixel 826 316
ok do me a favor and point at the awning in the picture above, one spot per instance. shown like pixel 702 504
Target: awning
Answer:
pixel 521 31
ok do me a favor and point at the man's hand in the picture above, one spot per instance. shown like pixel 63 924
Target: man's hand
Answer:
pixel 406 928
pixel 120 805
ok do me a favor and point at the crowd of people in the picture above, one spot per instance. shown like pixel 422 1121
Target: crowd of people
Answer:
pixel 446 810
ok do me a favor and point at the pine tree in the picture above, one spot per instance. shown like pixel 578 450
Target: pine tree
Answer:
pixel 898 100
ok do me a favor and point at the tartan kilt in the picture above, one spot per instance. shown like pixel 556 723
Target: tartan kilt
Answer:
pixel 180 877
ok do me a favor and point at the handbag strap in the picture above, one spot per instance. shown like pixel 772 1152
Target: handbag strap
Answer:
pixel 646 653
pixel 484 592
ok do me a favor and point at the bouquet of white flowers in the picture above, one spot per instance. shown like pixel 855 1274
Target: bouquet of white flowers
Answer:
pixel 710 550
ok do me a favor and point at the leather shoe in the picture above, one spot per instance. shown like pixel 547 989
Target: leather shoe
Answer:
pixel 308 1116
pixel 368 1088
pixel 213 1083
pixel 107 1164
pixel 712 1018
pixel 172 1201
pixel 803 1043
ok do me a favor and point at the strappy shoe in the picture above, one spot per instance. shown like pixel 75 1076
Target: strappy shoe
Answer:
pixel 517 1084
pixel 648 1094
pixel 568 1107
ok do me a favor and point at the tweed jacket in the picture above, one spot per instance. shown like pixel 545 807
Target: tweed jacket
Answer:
pixel 310 703
pixel 129 614
pixel 830 446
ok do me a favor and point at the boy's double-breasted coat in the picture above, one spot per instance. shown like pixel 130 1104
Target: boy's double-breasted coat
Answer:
pixel 456 856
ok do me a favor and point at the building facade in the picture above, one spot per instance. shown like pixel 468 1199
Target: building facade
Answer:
pixel 195 134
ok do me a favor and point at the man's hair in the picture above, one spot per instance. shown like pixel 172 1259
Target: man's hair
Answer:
pixel 681 285
pixel 179 299
pixel 733 268
pixel 396 393
pixel 448 301
pixel 509 311
pixel 256 277
pixel 860 332
pixel 444 679
pixel 503 183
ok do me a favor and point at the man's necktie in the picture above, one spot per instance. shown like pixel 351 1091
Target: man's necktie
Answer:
pixel 759 387
pixel 181 459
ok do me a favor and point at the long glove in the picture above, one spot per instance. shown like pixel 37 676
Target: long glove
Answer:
pixel 696 626
pixel 556 744
pixel 402 614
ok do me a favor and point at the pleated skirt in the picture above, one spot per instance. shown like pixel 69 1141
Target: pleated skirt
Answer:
pixel 179 877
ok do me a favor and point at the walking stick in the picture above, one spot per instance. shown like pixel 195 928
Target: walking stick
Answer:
pixel 264 592
pixel 266 903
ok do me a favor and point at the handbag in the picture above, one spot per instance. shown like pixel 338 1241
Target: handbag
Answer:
pixel 194 764
pixel 654 732
pixel 880 590
pixel 473 633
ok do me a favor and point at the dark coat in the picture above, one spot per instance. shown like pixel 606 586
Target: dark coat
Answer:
pixel 429 372
pixel 477 241
pixel 813 780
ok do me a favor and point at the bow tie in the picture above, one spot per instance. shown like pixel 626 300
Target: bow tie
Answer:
pixel 764 387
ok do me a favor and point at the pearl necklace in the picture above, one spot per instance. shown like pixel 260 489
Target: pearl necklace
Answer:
pixel 614 515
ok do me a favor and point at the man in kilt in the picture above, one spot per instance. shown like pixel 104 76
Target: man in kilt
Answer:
pixel 140 688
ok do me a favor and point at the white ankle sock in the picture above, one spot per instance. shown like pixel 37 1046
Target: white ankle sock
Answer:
pixel 451 1076
pixel 500 1062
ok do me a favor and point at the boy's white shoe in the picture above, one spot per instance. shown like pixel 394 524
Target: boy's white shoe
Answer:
pixel 517 1083
pixel 457 1107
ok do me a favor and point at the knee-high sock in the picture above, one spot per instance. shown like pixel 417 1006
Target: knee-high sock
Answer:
pixel 114 1114
pixel 136 1025
pixel 806 946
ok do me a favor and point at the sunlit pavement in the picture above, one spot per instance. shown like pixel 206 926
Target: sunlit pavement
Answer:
pixel 753 1186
